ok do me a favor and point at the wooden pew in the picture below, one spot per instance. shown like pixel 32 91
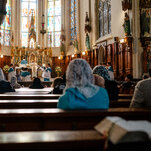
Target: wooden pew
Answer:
pixel 51 103
pixel 41 95
pixel 28 83
pixel 56 119
pixel 31 96
pixel 120 103
pixel 28 104
pixel 52 140
pixel 125 96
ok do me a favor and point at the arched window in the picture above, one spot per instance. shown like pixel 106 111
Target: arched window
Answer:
pixel 54 23
pixel 28 8
pixel 104 17
pixel 73 19
pixel 6 26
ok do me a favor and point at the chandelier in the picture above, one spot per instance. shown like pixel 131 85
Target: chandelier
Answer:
pixel 2 10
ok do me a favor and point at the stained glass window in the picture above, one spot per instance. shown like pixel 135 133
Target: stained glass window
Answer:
pixel 28 8
pixel 73 19
pixel 54 23
pixel 104 17
pixel 5 30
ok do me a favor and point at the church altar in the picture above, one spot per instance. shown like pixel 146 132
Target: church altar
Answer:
pixel 32 54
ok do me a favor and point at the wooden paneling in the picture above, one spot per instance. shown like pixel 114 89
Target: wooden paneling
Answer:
pixel 120 56
pixel 6 60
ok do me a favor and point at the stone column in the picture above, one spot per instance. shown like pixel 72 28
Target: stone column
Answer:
pixel 137 48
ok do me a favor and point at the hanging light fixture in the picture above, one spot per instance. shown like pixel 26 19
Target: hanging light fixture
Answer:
pixel 2 10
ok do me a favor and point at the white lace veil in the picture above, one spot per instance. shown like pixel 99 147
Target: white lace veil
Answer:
pixel 79 75
pixel 2 77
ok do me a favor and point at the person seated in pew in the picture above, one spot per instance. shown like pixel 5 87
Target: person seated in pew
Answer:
pixel 127 86
pixel 11 72
pixel 4 85
pixel 25 75
pixel 101 71
pixel 58 86
pixel 110 85
pixel 142 93
pixel 14 84
pixel 36 84
pixel 80 91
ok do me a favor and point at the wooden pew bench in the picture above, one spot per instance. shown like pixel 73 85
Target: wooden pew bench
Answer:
pixel 120 103
pixel 26 96
pixel 56 119
pixel 51 103
pixel 52 140
pixel 125 96
pixel 41 95
pixel 28 104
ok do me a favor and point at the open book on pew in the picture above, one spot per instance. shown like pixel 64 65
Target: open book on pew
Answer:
pixel 118 130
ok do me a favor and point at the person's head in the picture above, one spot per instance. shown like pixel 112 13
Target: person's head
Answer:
pixel 57 81
pixel 129 77
pixel 13 81
pixel 149 72
pixel 11 65
pixel 36 81
pixel 145 76
pixel 25 69
pixel 48 65
pixel 79 74
pixel 101 71
pixel 109 64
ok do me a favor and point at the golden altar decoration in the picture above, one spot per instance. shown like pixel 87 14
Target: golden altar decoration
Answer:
pixel 39 56
pixel 33 54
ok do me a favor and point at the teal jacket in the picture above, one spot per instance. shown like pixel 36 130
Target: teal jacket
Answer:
pixel 73 99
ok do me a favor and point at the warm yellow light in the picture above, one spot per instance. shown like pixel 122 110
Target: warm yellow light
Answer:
pixel 122 40
pixel 59 58
pixel 83 53
pixel 72 56
pixel 1 56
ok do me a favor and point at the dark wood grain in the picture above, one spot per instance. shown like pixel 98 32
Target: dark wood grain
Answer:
pixel 51 103
pixel 56 119
pixel 52 140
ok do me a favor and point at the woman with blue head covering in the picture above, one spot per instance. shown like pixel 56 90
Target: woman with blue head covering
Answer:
pixel 80 91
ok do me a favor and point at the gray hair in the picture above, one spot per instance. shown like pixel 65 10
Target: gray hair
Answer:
pixel 79 75
pixel 2 77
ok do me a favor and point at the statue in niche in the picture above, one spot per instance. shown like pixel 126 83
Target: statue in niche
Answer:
pixel 126 25
pixel 145 22
pixel 32 43
pixel 32 33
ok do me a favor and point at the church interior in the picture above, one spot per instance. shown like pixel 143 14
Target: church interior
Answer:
pixel 56 56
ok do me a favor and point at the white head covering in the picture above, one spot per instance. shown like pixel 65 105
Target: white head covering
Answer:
pixel 2 77
pixel 13 81
pixel 79 75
